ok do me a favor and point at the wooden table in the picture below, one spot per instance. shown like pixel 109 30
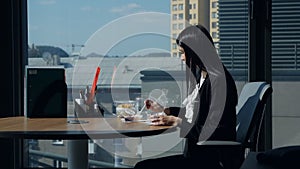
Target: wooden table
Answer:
pixel 77 134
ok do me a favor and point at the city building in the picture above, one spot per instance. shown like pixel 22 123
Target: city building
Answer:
pixel 193 12
pixel 179 18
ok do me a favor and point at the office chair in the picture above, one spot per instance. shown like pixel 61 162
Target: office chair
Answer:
pixel 250 114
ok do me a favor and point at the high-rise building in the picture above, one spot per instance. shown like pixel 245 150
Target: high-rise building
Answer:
pixel 214 21
pixel 286 35
pixel 179 18
pixel 233 33
pixel 192 12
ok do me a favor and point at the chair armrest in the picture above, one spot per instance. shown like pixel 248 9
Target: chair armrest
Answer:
pixel 218 143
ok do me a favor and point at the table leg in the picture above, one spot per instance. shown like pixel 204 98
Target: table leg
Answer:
pixel 78 154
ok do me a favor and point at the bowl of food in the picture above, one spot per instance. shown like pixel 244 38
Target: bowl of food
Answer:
pixel 125 108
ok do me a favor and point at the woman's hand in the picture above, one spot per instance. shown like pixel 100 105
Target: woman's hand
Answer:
pixel 164 120
pixel 154 106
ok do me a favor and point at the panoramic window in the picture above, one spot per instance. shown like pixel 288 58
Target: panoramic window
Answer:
pixel 82 36
pixel 133 44
pixel 131 41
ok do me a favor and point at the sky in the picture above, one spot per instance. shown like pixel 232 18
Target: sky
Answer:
pixel 112 27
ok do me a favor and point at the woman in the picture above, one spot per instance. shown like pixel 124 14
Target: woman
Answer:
pixel 208 112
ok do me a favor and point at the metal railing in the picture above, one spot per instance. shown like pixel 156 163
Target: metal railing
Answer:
pixel 59 159
pixel 285 56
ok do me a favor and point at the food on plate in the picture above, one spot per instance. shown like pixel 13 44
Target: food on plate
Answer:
pixel 125 105
pixel 125 109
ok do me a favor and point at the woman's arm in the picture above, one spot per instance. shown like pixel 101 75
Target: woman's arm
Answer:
pixel 164 120
pixel 171 118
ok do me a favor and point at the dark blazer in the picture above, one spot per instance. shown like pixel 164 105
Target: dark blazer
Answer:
pixel 226 129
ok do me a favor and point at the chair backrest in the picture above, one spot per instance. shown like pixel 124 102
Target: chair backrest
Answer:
pixel 250 112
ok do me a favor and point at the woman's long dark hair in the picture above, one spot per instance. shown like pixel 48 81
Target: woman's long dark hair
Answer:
pixel 194 64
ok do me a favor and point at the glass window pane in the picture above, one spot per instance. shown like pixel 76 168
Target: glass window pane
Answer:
pixel 180 6
pixel 285 71
pixel 174 7
pixel 59 33
pixel 128 44
pixel 124 41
